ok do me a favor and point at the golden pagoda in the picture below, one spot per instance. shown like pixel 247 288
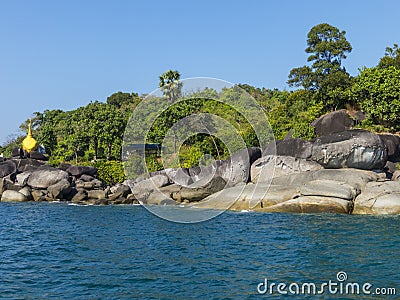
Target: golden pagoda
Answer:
pixel 29 144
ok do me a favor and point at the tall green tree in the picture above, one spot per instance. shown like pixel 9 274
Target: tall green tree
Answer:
pixel 120 99
pixel 327 46
pixel 170 84
pixel 391 58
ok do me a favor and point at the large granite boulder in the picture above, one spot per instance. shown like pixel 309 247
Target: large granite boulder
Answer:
pixel 392 143
pixel 96 194
pixel 179 176
pixel 27 164
pixel 141 190
pixel 42 178
pixel 7 168
pixel 80 196
pixel 267 167
pixel 336 121
pixel 396 176
pixel 353 177
pixel 313 204
pixel 379 198
pixel 158 198
pixel 122 191
pixel 3 185
pixel 38 156
pixel 17 153
pixel 329 188
pixel 293 147
pixel 80 170
pixel 201 190
pixel 26 191
pixel 13 196
pixel 60 190
pixel 249 196
pixel 22 178
pixel 236 169
pixel 350 149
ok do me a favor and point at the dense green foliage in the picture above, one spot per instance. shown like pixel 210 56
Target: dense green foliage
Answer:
pixel 110 172
pixel 94 134
pixel 378 92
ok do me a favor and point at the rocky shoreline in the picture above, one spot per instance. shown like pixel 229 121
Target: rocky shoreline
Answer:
pixel 349 171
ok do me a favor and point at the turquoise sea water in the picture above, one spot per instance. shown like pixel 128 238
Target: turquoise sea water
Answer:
pixel 57 251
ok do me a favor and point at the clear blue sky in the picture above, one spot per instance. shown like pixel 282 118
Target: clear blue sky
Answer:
pixel 64 54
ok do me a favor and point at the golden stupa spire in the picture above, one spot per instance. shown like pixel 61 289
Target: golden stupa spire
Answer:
pixel 29 144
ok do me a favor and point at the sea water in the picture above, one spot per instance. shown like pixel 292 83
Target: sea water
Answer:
pixel 59 251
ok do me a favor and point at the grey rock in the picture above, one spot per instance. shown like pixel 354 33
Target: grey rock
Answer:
pixel 22 178
pixel 168 202
pixel 11 185
pixel 354 177
pixel 96 194
pixel 43 178
pixel 169 189
pixel 143 188
pixel 26 192
pixel 3 185
pixel 179 176
pixel 379 198
pixel 236 169
pixel 392 143
pixel 201 190
pixel 114 188
pixel 350 149
pixel 59 190
pixel 17 152
pixel 97 184
pixel 390 167
pixel 87 185
pixel 156 197
pixel 267 167
pixel 38 156
pixel 329 188
pixel 248 196
pixel 396 176
pixel 7 168
pixel 64 166
pixel 27 164
pixel 86 178
pixel 121 192
pixel 38 195
pixel 80 196
pixel 293 147
pixel 333 122
pixel 13 196
pixel 81 170
pixel 313 204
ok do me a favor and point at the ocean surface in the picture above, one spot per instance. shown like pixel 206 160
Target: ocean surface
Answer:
pixel 58 251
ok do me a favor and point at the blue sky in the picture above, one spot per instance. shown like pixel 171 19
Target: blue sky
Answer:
pixel 64 54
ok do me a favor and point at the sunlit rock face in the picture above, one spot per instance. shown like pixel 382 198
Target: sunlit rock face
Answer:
pixel 350 149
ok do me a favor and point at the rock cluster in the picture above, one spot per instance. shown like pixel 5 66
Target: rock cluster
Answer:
pixel 28 179
pixel 342 171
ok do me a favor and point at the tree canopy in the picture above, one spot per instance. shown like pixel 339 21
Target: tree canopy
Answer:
pixel 326 76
